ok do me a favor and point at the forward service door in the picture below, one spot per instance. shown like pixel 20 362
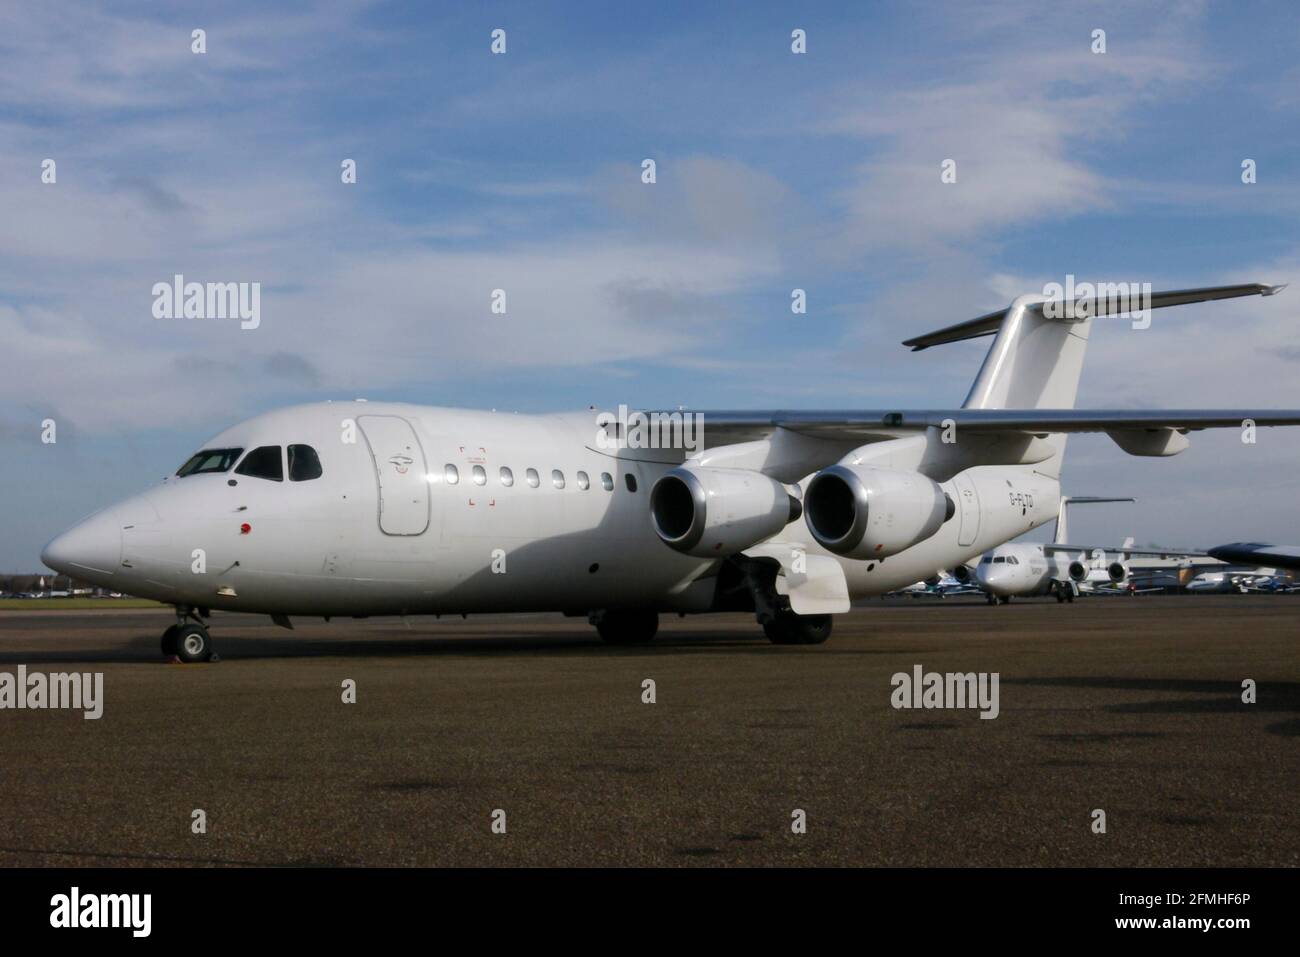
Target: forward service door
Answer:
pixel 968 504
pixel 402 472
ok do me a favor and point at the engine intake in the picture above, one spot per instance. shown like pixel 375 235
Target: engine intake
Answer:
pixel 867 512
pixel 709 512
pixel 1078 571
pixel 1117 572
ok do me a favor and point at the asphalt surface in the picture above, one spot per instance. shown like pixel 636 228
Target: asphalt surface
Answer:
pixel 1130 705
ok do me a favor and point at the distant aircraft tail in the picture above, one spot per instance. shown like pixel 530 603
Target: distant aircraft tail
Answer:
pixel 1062 533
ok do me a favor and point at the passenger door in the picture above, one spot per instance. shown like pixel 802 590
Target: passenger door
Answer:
pixel 402 472
pixel 968 503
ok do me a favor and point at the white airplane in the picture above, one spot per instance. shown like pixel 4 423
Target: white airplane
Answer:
pixel 1213 582
pixel 941 585
pixel 336 509
pixel 1027 569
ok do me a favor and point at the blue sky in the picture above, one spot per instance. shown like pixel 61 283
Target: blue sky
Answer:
pixel 521 171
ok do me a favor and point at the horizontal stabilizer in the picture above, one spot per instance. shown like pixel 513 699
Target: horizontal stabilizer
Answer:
pixel 1103 304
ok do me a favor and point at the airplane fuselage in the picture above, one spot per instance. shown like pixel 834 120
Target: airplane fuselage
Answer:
pixel 420 510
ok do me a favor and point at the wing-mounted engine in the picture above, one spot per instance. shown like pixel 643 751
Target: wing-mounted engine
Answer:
pixel 710 512
pixel 1117 572
pixel 861 511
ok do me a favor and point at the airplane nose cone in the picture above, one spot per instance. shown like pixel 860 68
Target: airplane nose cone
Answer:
pixel 93 546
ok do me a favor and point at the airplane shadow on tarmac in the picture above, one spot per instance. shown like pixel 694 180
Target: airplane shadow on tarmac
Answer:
pixel 143 649
pixel 1220 697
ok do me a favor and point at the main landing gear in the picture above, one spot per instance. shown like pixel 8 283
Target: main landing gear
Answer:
pixel 1064 591
pixel 787 628
pixel 781 625
pixel 188 639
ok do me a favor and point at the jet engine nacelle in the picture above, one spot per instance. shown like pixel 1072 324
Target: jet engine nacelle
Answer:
pixel 861 511
pixel 962 574
pixel 709 512
pixel 1115 571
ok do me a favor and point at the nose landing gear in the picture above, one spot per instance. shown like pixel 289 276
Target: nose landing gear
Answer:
pixel 188 639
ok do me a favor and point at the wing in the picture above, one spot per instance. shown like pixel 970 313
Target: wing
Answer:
pixel 1173 555
pixel 1254 553
pixel 727 427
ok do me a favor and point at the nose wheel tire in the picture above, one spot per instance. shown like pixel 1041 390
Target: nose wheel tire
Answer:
pixel 788 628
pixel 627 627
pixel 192 643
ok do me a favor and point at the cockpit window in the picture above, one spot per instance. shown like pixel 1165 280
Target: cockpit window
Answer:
pixel 209 460
pixel 304 463
pixel 264 463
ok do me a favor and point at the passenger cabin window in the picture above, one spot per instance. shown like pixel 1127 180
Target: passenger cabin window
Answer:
pixel 557 478
pixel 209 460
pixel 304 463
pixel 531 476
pixel 480 475
pixel 607 481
pixel 507 477
pixel 630 480
pixel 584 483
pixel 264 463
pixel 450 474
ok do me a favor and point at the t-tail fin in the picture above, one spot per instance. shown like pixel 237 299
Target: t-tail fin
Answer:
pixel 1037 353
pixel 1062 532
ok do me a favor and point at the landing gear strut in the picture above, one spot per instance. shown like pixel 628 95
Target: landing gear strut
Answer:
pixel 188 639
pixel 1064 591
pixel 781 625
pixel 787 628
